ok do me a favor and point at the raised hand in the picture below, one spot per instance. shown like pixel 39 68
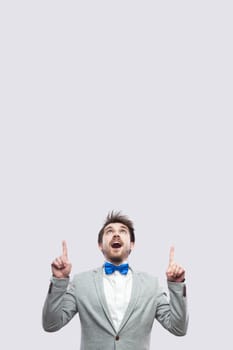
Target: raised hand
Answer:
pixel 61 267
pixel 175 272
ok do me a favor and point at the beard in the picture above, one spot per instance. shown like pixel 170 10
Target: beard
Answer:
pixel 117 260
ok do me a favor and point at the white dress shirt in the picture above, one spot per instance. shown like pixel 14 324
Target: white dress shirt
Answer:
pixel 117 289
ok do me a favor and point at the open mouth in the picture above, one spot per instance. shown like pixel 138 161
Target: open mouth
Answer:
pixel 116 245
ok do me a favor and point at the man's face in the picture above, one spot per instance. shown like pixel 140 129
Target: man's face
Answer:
pixel 116 245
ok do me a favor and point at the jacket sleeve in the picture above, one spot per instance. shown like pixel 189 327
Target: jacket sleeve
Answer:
pixel 60 305
pixel 172 312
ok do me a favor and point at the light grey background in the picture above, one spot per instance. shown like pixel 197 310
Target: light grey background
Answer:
pixel 116 105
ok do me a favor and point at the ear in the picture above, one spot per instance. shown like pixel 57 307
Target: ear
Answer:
pixel 100 245
pixel 132 244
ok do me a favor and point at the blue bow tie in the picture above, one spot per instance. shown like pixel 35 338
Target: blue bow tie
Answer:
pixel 110 268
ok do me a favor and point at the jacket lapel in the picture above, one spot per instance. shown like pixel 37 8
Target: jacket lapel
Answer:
pixel 133 300
pixel 98 277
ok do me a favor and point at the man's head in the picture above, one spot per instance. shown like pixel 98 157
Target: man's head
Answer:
pixel 116 237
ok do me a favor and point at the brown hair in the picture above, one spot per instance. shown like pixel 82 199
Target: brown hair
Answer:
pixel 117 217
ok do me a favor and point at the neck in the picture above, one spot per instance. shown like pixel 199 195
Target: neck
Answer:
pixel 117 261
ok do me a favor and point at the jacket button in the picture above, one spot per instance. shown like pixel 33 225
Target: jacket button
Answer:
pixel 117 337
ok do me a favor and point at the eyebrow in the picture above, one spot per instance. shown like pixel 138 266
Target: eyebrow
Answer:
pixel 110 227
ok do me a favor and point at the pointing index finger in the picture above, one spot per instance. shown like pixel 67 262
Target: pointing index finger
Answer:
pixel 64 249
pixel 171 255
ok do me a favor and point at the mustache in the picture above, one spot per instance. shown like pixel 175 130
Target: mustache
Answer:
pixel 116 240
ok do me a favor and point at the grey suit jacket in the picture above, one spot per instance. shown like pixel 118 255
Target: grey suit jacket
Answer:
pixel 85 295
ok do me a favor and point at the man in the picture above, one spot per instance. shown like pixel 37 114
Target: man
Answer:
pixel 116 305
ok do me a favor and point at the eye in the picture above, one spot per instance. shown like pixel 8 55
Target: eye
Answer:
pixel 108 232
pixel 123 231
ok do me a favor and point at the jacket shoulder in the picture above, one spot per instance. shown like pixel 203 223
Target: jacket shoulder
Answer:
pixel 147 278
pixel 86 275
